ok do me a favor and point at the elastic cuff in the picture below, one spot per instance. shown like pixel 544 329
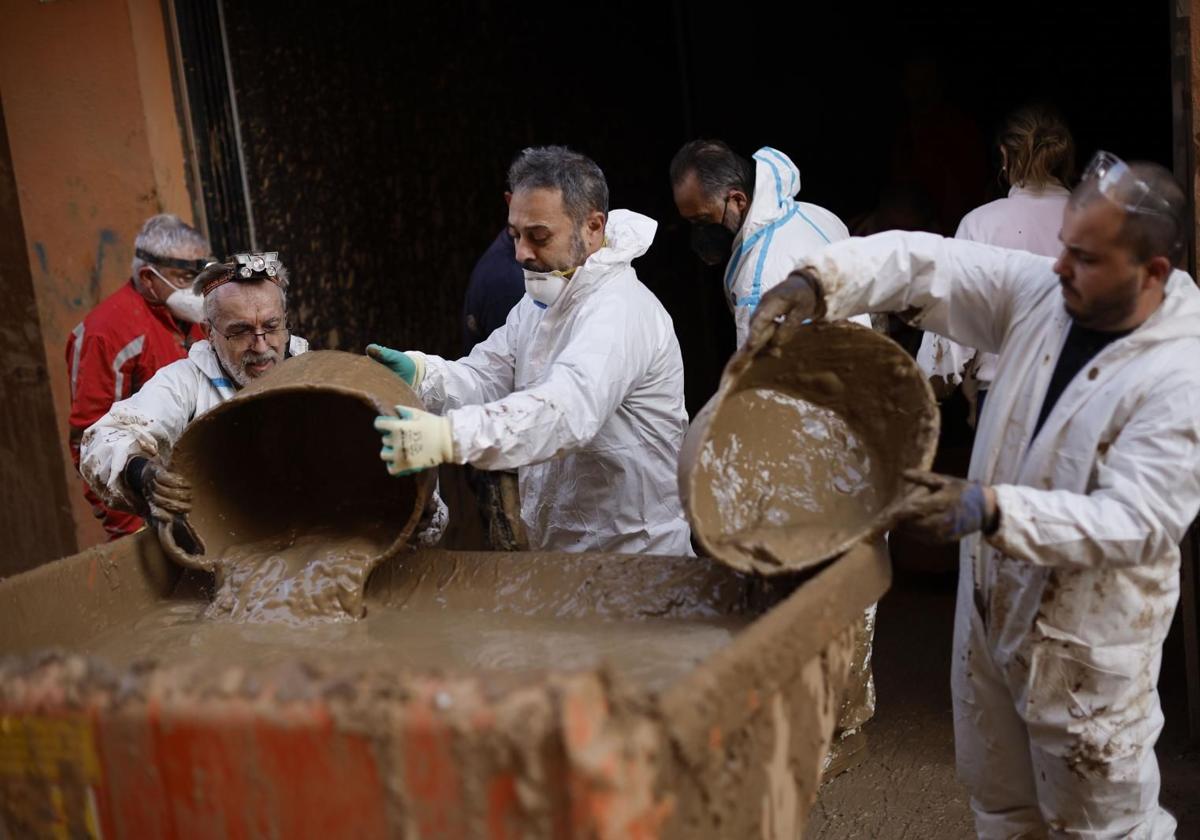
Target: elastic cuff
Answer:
pixel 992 526
pixel 418 360
pixel 133 475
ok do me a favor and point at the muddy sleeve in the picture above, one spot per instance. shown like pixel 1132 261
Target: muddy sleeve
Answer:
pixel 966 291
pixel 1146 493
pixel 146 425
pixel 583 387
pixel 483 376
pixel 434 519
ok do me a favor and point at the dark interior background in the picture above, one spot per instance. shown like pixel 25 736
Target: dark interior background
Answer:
pixel 377 134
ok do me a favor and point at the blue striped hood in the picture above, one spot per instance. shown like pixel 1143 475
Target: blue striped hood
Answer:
pixel 776 184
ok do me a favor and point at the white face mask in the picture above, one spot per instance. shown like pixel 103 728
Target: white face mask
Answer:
pixel 545 286
pixel 183 303
pixel 186 304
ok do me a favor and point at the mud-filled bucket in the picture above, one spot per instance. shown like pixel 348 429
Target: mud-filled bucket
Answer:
pixel 801 454
pixel 294 455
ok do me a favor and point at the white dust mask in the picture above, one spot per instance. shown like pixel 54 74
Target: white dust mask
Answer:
pixel 183 303
pixel 545 286
pixel 186 304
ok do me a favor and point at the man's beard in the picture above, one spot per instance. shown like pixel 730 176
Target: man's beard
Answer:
pixel 1104 314
pixel 578 254
pixel 250 357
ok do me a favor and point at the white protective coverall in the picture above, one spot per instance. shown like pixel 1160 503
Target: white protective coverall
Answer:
pixel 1028 219
pixel 777 233
pixel 1062 613
pixel 150 422
pixel 585 400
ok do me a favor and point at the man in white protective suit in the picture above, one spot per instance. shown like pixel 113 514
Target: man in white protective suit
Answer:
pixel 1084 477
pixel 745 215
pixel 123 455
pixel 581 389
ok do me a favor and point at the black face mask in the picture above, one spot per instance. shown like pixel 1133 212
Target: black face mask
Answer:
pixel 712 241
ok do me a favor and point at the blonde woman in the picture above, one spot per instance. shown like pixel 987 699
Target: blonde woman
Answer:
pixel 1037 159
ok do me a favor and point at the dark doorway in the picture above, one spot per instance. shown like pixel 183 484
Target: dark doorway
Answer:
pixel 376 136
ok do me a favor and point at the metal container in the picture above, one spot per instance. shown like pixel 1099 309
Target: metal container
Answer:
pixel 296 452
pixel 199 745
pixel 801 454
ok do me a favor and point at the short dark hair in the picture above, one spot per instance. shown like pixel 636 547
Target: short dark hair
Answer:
pixel 584 189
pixel 1148 234
pixel 718 168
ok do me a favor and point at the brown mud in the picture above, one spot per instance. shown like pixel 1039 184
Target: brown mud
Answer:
pixel 652 653
pixel 170 718
pixel 317 576
pixel 762 435
pixel 291 503
pixel 651 620
pixel 801 454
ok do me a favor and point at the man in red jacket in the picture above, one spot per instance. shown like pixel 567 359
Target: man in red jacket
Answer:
pixel 146 324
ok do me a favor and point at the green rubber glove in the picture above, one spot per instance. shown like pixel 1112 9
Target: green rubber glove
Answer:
pixel 409 368
pixel 416 440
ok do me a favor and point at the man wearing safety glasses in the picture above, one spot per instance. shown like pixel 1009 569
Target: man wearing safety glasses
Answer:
pixel 148 323
pixel 1084 477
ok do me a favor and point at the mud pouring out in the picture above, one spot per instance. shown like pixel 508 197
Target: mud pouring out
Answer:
pixel 292 509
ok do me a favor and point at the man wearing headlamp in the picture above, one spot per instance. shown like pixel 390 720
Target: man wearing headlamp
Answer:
pixel 148 323
pixel 125 453
pixel 1084 478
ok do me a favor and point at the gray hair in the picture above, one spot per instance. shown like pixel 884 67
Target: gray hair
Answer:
pixel 167 235
pixel 1148 234
pixel 581 181
pixel 229 268
pixel 718 168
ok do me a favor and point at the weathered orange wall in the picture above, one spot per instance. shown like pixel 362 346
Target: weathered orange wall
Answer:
pixel 96 148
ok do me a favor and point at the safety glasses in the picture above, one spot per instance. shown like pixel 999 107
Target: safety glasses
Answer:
pixel 1116 182
pixel 178 284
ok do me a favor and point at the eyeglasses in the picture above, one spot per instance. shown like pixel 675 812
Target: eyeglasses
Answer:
pixel 245 338
pixel 1116 182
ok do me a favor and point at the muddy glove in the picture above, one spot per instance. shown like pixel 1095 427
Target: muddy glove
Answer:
pixel 415 440
pixel 163 495
pixel 952 509
pixel 409 368
pixel 779 314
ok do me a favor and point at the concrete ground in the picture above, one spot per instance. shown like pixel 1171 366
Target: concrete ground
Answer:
pixel 906 787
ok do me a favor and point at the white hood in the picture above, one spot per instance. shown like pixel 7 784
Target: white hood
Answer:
pixel 776 184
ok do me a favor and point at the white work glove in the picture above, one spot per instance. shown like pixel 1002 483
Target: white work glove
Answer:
pixel 416 440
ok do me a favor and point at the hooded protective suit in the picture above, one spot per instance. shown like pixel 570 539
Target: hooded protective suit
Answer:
pixel 778 232
pixel 585 398
pixel 1062 613
pixel 149 423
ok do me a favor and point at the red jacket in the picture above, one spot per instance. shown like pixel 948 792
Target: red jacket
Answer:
pixel 121 343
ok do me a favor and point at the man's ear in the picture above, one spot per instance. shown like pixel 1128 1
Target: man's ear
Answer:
pixel 1158 268
pixel 740 201
pixel 507 198
pixel 145 278
pixel 595 222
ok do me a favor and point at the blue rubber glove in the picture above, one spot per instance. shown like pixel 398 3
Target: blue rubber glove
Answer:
pixel 409 368
pixel 416 440
pixel 952 509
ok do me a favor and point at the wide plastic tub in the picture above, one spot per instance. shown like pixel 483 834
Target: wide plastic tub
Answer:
pixel 484 695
